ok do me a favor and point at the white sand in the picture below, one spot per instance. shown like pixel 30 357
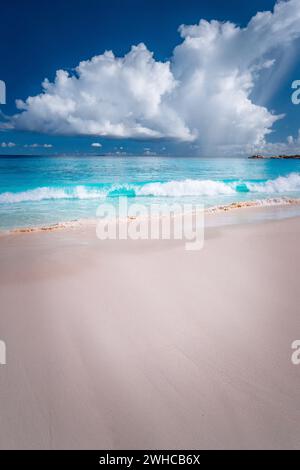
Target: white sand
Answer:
pixel 145 345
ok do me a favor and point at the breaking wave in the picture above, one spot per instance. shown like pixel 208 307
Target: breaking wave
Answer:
pixel 47 193
pixel 188 187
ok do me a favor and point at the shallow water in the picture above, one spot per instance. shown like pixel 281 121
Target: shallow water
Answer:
pixel 45 190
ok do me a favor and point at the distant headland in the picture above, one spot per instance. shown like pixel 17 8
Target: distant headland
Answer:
pixel 281 157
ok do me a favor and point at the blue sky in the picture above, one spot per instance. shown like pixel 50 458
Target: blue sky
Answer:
pixel 37 38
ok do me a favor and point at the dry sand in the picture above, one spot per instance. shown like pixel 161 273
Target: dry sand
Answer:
pixel 116 345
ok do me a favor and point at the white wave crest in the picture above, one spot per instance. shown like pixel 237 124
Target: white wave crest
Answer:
pixel 282 184
pixel 46 193
pixel 188 187
pixel 185 188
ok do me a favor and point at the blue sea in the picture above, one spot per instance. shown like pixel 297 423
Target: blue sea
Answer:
pixel 43 190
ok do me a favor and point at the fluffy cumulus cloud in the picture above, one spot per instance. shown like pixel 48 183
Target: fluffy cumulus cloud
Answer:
pixel 107 96
pixel 7 144
pixel 204 94
pixel 291 146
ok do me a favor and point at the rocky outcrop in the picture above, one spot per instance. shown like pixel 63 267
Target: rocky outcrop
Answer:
pixel 278 157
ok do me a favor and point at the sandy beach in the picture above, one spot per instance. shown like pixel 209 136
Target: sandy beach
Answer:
pixel 144 345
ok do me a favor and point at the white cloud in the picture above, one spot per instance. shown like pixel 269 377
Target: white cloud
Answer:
pixel 96 144
pixel 7 144
pixel 46 146
pixel 203 94
pixel 118 97
pixel 290 147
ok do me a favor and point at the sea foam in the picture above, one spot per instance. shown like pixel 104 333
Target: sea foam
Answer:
pixel 183 188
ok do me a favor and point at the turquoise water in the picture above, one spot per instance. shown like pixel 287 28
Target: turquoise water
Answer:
pixel 44 190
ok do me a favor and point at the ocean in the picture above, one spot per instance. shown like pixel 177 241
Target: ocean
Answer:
pixel 43 190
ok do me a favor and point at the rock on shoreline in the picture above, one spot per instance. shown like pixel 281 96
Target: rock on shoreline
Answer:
pixel 281 157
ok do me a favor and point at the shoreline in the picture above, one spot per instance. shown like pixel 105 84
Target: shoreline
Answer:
pixel 280 202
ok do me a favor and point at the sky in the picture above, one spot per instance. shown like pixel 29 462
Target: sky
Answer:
pixel 166 77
